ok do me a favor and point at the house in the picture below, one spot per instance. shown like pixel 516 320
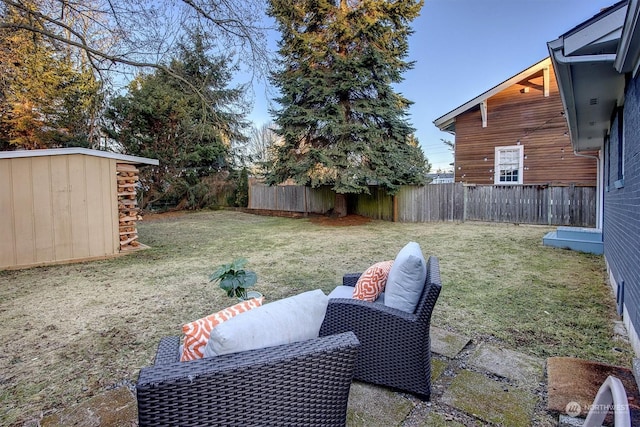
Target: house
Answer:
pixel 67 204
pixel 597 66
pixel 515 133
pixel 440 178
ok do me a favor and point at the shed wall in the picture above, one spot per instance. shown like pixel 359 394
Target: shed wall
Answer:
pixel 57 208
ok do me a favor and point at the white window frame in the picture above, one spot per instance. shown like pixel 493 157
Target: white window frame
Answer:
pixel 497 169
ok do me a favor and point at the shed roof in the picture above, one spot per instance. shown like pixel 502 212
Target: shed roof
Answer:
pixel 76 150
pixel 447 122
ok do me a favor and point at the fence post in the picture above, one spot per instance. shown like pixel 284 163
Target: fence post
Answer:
pixel 394 199
pixel 549 204
pixel 465 194
pixel 275 192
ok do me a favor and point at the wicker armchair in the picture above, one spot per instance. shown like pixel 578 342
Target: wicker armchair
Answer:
pixel 300 384
pixel 395 346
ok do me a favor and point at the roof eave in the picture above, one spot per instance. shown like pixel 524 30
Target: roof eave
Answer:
pixel 628 55
pixel 77 150
pixel 447 126
pixel 444 122
pixel 588 107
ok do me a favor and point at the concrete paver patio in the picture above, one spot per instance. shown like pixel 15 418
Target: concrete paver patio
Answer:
pixel 471 385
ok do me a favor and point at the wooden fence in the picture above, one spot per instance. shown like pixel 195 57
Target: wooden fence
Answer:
pixel 437 202
pixel 522 204
pixel 291 198
pixel 528 204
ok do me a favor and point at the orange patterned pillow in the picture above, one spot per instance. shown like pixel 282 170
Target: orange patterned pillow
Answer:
pixel 372 282
pixel 196 333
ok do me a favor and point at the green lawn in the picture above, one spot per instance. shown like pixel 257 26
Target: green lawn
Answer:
pixel 70 331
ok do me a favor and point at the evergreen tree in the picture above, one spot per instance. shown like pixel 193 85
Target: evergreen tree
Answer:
pixel 47 99
pixel 241 198
pixel 341 122
pixel 188 128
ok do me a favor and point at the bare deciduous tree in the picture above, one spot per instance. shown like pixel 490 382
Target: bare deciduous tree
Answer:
pixel 256 152
pixel 142 33
pixel 261 141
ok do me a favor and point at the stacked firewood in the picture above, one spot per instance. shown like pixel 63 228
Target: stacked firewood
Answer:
pixel 128 205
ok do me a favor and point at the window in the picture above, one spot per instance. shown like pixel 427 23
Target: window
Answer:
pixel 621 143
pixel 508 164
pixel 607 145
pixel 620 124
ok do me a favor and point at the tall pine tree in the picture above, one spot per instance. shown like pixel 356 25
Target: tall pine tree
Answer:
pixel 340 120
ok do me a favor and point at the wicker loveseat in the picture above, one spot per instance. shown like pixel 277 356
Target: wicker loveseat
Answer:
pixel 301 384
pixel 395 346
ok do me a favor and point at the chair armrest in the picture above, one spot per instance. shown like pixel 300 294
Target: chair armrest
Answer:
pixel 353 314
pixel 350 279
pixel 304 383
pixel 168 351
pixel 247 359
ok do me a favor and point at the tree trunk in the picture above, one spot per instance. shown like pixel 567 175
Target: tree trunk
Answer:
pixel 340 205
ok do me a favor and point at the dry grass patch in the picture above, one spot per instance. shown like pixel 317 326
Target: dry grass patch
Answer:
pixel 71 331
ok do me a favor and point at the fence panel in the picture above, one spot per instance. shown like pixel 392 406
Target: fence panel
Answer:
pixel 522 204
pixel 290 198
pixel 518 204
pixel 531 204
pixel 377 205
pixel 573 206
pixel 320 200
pixel 428 203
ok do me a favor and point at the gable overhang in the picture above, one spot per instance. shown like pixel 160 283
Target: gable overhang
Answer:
pixel 447 122
pixel 585 61
pixel 628 55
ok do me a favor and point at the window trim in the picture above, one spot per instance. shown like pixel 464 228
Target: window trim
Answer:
pixel 607 145
pixel 619 183
pixel 621 123
pixel 496 179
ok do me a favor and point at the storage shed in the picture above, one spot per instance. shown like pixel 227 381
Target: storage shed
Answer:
pixel 67 204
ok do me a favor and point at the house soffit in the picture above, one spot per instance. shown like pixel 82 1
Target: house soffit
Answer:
pixel 589 85
pixel 447 122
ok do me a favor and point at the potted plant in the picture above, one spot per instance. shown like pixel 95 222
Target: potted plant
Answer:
pixel 235 280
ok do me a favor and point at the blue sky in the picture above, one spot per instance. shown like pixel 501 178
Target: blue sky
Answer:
pixel 463 48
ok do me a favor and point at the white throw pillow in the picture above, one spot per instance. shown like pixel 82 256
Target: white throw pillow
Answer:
pixel 406 279
pixel 285 321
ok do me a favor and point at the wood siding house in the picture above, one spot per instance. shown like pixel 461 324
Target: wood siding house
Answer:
pixel 67 204
pixel 598 64
pixel 516 133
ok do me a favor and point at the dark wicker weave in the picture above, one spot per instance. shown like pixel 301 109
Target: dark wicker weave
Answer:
pixel 300 384
pixel 395 346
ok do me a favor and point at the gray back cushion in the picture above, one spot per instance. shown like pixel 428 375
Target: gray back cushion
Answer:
pixel 406 279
